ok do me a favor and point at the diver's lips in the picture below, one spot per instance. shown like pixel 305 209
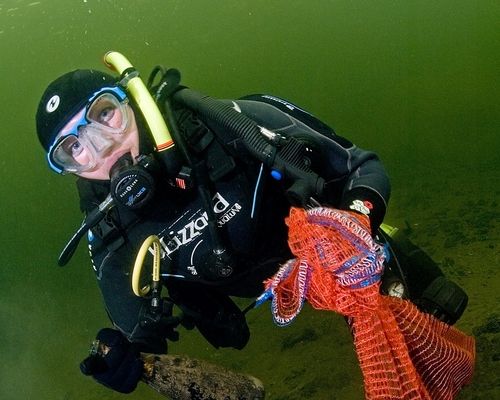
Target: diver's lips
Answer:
pixel 112 159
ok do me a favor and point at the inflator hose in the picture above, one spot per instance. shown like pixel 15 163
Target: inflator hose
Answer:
pixel 240 125
pixel 287 160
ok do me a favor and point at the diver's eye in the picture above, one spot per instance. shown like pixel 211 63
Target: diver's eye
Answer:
pixel 106 115
pixel 107 111
pixel 73 147
pixel 76 148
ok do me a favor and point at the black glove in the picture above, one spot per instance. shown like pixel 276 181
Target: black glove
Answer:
pixel 216 316
pixel 120 368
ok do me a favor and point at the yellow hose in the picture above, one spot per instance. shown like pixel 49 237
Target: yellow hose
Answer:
pixel 117 62
pixel 139 261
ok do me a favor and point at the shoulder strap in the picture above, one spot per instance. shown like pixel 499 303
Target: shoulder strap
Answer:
pixel 205 143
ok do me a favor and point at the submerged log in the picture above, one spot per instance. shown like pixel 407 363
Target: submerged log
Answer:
pixel 180 377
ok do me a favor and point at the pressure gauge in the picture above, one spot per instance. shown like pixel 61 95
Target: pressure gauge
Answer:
pixel 396 289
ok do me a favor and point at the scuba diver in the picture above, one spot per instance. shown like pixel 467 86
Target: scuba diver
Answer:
pixel 215 194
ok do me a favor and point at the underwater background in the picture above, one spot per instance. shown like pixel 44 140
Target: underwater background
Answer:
pixel 415 81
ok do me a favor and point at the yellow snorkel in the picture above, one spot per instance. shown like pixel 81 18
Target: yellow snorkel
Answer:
pixel 136 87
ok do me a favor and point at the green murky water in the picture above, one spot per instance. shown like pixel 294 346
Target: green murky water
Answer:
pixel 415 81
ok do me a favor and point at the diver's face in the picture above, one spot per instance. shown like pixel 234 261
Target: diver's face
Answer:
pixel 96 136
pixel 90 150
pixel 121 144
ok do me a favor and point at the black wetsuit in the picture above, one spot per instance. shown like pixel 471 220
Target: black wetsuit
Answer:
pixel 250 207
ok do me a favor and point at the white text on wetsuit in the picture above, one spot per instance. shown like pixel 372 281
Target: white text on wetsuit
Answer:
pixel 193 228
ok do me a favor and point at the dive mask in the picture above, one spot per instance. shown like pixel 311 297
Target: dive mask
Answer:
pixel 91 133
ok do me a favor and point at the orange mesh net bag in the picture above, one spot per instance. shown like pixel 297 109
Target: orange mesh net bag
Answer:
pixel 403 353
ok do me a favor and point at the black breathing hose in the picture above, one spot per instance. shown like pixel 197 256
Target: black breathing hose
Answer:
pixel 237 123
pixel 90 221
pixel 287 160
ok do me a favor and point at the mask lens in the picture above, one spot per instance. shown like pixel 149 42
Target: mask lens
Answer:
pixel 90 133
pixel 107 112
pixel 72 146
pixel 81 153
pixel 71 154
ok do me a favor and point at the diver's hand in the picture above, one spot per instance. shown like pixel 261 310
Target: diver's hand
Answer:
pixel 115 362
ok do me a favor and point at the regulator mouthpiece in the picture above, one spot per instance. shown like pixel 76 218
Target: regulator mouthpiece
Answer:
pixel 132 185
